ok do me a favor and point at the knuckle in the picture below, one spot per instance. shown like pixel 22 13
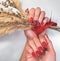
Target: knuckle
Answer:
pixel 38 8
pixel 32 9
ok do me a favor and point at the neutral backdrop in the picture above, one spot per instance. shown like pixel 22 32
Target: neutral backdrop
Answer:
pixel 11 46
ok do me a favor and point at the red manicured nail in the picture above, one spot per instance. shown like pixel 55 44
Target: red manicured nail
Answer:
pixel 33 28
pixel 44 44
pixel 36 23
pixel 42 24
pixel 40 49
pixel 33 54
pixel 27 10
pixel 54 24
pixel 38 53
pixel 31 20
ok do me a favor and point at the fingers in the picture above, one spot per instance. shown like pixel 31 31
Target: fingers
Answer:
pixel 27 10
pixel 37 13
pixel 43 41
pixel 32 45
pixel 46 20
pixel 31 13
pixel 37 17
pixel 50 46
pixel 42 15
pixel 29 49
pixel 36 47
pixel 30 58
pixel 36 41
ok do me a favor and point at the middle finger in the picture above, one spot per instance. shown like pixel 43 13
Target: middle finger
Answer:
pixel 37 13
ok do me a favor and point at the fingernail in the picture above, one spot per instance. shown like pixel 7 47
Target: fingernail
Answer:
pixel 36 23
pixel 40 49
pixel 27 10
pixel 42 24
pixel 38 53
pixel 44 44
pixel 33 28
pixel 31 20
pixel 33 54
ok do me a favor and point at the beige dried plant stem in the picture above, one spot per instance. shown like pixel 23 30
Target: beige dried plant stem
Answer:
pixel 18 6
pixel 9 21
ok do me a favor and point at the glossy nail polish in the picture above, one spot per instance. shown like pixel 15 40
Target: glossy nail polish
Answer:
pixel 33 54
pixel 27 10
pixel 42 24
pixel 40 49
pixel 31 20
pixel 44 44
pixel 38 53
pixel 36 23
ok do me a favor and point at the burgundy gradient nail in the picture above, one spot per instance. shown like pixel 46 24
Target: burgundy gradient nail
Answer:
pixel 44 44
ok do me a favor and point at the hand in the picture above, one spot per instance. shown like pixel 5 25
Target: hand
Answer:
pixel 36 15
pixel 40 49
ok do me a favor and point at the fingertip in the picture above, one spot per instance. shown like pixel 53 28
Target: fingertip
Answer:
pixel 47 38
pixel 45 21
pixel 50 45
pixel 43 41
pixel 32 9
pixel 27 10
pixel 31 12
pixel 43 12
pixel 42 15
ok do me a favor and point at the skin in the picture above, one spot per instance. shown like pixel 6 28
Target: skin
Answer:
pixel 39 16
pixel 34 42
pixel 49 55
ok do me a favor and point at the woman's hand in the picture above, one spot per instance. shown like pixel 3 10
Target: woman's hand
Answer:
pixel 36 14
pixel 40 49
